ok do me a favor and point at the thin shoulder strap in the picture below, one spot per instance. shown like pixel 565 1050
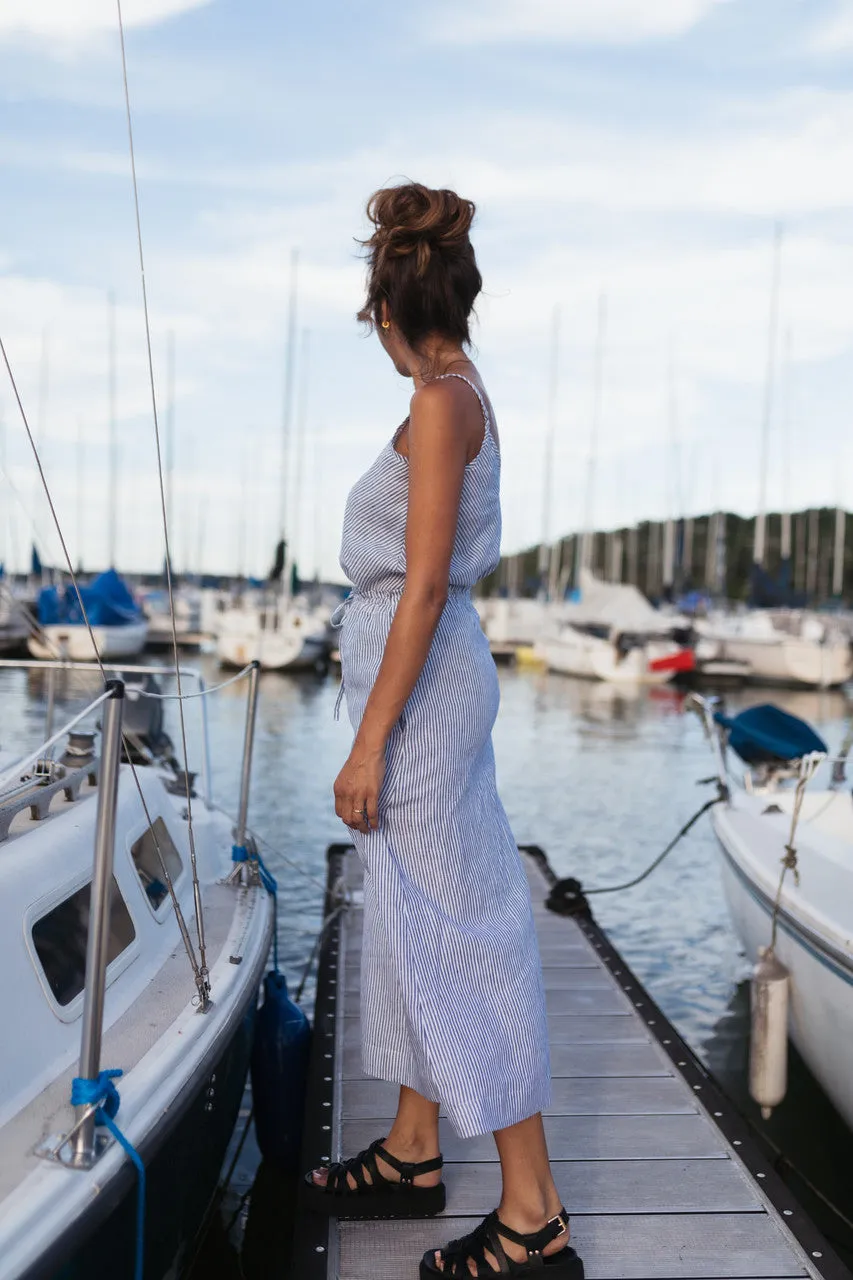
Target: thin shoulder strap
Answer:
pixel 477 393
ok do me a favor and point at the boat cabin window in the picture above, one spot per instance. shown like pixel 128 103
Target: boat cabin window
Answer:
pixel 148 865
pixel 60 941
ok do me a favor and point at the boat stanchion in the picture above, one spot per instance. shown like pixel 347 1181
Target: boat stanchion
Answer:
pixel 83 1144
pixel 240 832
pixel 97 946
pixel 768 1048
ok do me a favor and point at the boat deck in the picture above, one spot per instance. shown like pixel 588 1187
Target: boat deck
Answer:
pixel 655 1167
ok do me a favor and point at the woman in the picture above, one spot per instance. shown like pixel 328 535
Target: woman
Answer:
pixel 452 998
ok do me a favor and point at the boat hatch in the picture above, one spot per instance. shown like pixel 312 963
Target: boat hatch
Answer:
pixel 146 859
pixel 59 938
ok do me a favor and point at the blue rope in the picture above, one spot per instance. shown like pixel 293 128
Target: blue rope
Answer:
pixel 239 853
pixel 103 1093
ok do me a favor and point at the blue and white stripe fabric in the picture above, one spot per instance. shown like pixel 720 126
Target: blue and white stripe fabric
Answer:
pixel 452 995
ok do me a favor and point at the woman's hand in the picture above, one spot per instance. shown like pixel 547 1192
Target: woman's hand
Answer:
pixel 357 787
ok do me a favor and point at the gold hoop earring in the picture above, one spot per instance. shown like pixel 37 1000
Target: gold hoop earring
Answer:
pixel 386 324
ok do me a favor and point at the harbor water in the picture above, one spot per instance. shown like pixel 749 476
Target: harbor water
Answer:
pixel 601 777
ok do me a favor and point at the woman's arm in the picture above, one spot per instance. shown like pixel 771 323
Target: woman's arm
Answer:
pixel 441 431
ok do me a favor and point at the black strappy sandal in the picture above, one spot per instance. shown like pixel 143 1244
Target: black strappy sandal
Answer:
pixel 379 1198
pixel 565 1265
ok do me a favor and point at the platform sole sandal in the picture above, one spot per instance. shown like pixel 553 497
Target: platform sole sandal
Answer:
pixel 377 1197
pixel 486 1239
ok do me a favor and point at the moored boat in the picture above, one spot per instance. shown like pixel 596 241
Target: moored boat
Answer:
pixel 281 634
pixel 612 633
pixel 118 626
pixel 173 1013
pixel 757 831
pixel 787 647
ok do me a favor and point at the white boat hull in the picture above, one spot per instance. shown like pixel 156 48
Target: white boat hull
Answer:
pixel 289 641
pixel 574 653
pixel 75 644
pixel 818 956
pixel 786 649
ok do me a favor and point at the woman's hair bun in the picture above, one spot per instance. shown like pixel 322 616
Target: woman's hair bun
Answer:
pixel 421 266
pixel 415 219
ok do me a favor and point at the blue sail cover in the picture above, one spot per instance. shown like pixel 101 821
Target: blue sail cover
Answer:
pixel 768 735
pixel 107 600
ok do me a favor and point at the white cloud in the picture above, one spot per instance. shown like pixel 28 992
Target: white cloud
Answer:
pixel 75 21
pixel 836 34
pixel 570 21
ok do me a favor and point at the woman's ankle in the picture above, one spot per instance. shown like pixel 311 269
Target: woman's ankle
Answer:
pixel 412 1144
pixel 528 1210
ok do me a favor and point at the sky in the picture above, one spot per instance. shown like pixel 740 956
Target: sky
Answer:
pixel 640 151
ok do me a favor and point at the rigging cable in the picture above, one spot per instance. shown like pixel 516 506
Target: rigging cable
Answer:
pixel 187 941
pixel 199 915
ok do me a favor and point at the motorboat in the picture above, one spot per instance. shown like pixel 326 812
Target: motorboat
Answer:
pixel 781 794
pixel 610 632
pixel 113 627
pixel 107 967
pixel 782 646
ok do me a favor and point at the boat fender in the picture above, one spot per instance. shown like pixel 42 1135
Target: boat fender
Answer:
pixel 280 1074
pixel 768 1052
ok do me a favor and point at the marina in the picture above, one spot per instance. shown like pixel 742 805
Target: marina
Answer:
pixel 672 931
pixel 319 648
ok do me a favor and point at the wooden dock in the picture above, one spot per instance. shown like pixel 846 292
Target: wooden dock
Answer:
pixel 656 1168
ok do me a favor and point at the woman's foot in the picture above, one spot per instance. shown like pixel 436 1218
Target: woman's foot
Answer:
pixel 406 1151
pixel 546 1234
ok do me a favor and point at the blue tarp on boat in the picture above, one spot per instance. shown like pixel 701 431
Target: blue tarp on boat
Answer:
pixel 107 600
pixel 768 735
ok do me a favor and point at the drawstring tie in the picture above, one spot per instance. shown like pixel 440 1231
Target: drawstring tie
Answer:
pixel 336 621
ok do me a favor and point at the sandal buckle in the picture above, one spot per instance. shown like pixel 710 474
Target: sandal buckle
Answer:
pixel 560 1221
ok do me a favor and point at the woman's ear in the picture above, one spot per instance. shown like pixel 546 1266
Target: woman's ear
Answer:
pixel 384 317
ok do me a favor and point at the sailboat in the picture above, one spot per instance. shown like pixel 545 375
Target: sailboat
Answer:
pixel 783 645
pixel 757 831
pixel 107 851
pixel 274 627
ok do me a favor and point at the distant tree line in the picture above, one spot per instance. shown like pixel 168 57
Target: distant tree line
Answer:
pixel 709 553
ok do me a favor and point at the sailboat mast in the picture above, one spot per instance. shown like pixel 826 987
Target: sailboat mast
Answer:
pixel 838 552
pixel 787 377
pixel 4 515
pixel 41 419
pixel 301 443
pixel 546 553
pixel 585 558
pixel 673 494
pixel 287 394
pixel 318 505
pixel 79 495
pixel 170 427
pixel 759 547
pixel 112 494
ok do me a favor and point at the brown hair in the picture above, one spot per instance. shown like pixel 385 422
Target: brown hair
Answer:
pixel 421 262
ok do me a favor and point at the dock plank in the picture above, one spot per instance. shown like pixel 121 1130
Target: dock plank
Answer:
pixel 568 1060
pixel 692 1246
pixel 582 977
pixel 655 1137
pixel 641 1096
pixel 606 998
pixel 562 1029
